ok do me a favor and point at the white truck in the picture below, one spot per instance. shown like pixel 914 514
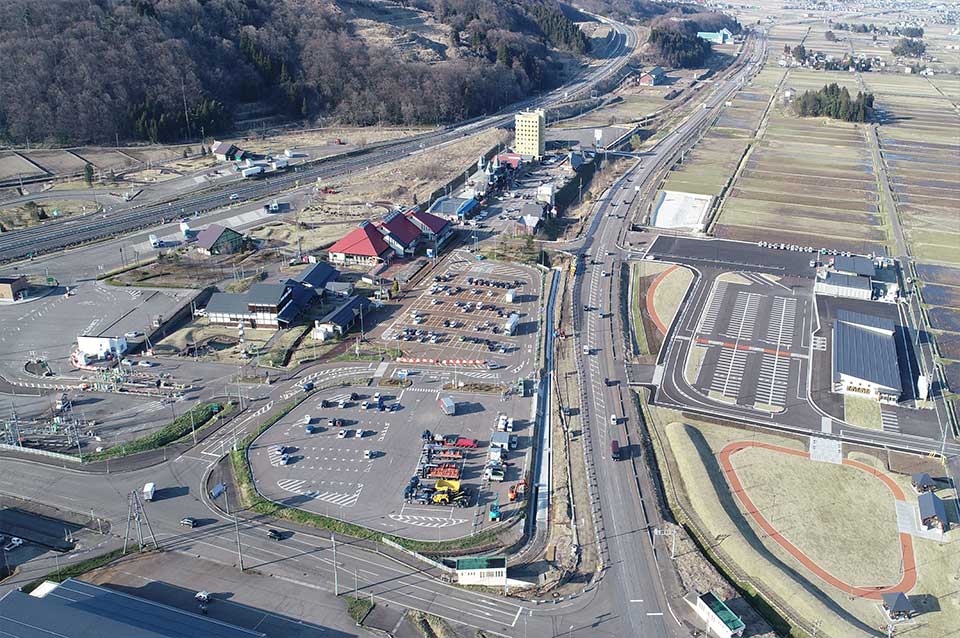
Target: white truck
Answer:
pixel 155 242
pixel 148 491
pixel 448 406
pixel 252 171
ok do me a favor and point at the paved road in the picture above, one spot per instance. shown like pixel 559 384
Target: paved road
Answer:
pixel 631 600
pixel 60 234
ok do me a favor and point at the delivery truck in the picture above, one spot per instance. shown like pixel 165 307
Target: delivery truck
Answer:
pixel 148 491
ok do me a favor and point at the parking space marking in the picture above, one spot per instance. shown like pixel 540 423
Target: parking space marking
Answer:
pixel 744 316
pixel 729 372
pixel 772 383
pixel 709 320
pixel 780 329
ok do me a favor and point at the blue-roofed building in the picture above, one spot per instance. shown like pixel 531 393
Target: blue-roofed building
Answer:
pixel 75 609
pixel 317 276
pixel 453 208
pixel 339 321
pixel 865 361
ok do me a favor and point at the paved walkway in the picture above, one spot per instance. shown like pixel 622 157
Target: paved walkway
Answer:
pixel 907 581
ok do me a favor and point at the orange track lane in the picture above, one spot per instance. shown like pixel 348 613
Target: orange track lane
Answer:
pixel 907 582
pixel 652 289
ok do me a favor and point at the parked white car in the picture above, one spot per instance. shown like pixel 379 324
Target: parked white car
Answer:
pixel 13 544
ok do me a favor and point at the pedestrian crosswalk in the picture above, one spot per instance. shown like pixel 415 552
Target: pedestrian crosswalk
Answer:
pixel 340 499
pixel 729 372
pixel 888 417
pixel 772 383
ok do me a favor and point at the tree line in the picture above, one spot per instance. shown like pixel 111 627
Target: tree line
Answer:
pixel 909 48
pixel 165 70
pixel 835 102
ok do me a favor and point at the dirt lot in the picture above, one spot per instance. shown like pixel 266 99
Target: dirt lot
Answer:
pixel 30 214
pixel 312 236
pixel 417 176
pixel 322 137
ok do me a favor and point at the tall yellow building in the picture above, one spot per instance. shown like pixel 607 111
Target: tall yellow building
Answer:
pixel 530 138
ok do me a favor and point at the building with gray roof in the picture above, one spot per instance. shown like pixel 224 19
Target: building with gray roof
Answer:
pixel 865 361
pixel 75 609
pixel 933 514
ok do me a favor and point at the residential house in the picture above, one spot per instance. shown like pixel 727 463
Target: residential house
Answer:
pixel 219 240
pixel 339 321
pixel 652 77
pixel 226 152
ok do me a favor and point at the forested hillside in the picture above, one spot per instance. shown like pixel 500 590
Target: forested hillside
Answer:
pixel 163 70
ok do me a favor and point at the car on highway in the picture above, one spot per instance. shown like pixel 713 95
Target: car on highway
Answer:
pixel 234 197
pixel 188 521
pixel 274 535
pixel 13 544
pixel 307 386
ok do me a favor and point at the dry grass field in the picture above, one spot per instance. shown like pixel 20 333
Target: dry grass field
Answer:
pixel 25 215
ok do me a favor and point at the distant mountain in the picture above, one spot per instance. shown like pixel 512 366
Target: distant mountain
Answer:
pixel 163 70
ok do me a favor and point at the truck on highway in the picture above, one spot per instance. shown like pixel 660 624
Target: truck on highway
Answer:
pixel 148 491
pixel 155 242
pixel 253 171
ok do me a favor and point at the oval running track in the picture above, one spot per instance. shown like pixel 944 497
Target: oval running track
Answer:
pixel 907 581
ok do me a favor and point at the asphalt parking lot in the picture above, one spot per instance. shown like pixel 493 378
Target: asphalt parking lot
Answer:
pixel 461 314
pixel 48 327
pixel 328 472
pixel 754 336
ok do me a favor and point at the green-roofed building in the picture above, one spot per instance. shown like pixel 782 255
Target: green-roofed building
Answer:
pixel 484 570
pixel 720 619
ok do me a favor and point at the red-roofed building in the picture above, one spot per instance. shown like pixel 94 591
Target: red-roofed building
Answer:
pixel 363 246
pixel 401 234
pixel 436 230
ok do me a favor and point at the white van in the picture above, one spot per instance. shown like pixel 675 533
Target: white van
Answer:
pixel 148 491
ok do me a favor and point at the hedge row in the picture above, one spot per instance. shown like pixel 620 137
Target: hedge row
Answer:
pixel 197 418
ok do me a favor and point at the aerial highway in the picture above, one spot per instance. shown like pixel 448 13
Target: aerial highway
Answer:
pixel 68 232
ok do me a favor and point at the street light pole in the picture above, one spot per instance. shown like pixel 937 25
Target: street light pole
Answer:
pixel 236 526
pixel 336 580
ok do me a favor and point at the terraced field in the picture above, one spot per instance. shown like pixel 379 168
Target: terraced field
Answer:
pixel 807 179
pixel 921 151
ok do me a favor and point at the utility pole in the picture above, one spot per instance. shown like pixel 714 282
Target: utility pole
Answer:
pixel 137 515
pixel 336 580
pixel 236 526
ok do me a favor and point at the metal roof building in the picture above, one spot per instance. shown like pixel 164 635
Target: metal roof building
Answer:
pixel 865 356
pixel 75 609
pixel 835 284
pixel 932 512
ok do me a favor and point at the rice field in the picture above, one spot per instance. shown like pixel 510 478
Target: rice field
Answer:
pixel 807 179
pixel 921 150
